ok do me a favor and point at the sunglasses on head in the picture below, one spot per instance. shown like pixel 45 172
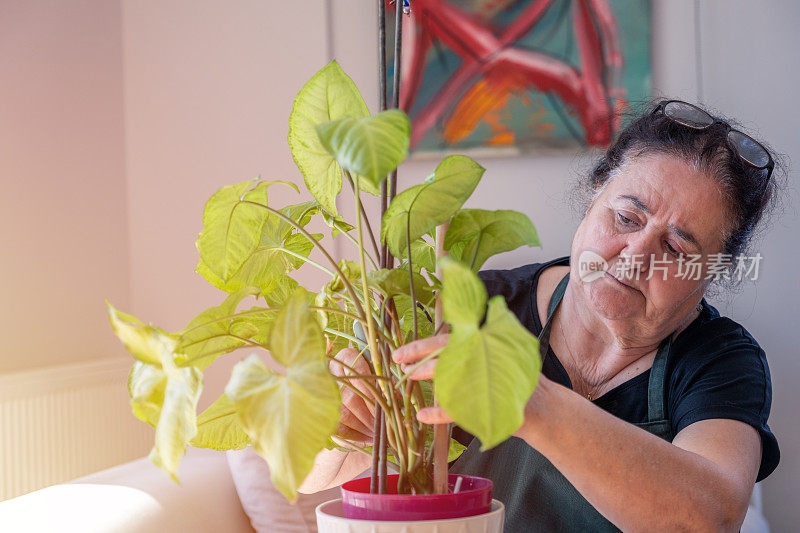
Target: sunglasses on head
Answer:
pixel 748 149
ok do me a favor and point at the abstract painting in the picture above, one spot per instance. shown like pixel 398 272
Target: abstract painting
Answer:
pixel 521 74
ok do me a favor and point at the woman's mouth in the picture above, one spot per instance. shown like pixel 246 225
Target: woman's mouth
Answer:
pixel 620 282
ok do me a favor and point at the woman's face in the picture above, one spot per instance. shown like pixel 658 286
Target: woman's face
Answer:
pixel 651 217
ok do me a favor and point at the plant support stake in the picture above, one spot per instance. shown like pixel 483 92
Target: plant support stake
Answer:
pixel 441 432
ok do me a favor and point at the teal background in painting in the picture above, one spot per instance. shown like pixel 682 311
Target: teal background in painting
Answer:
pixel 553 35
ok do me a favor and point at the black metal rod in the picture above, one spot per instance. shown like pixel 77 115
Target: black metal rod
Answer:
pixel 377 483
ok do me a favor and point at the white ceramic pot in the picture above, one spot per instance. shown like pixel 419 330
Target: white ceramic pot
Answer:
pixel 330 519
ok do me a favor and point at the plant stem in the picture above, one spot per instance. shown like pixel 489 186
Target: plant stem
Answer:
pixel 363 214
pixel 411 271
pixel 354 241
pixel 373 346
pixel 475 254
pixel 305 259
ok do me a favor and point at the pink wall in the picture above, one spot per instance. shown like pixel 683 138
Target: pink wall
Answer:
pixel 63 211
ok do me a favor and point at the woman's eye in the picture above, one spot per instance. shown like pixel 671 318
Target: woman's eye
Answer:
pixel 670 249
pixel 625 220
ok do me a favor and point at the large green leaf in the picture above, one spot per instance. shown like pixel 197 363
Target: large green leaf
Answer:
pixel 498 363
pixel 162 394
pixel 419 209
pixel 145 343
pixel 290 416
pixel 210 334
pixel 233 229
pixel 481 234
pixel 218 427
pixel 329 95
pixel 370 147
pixel 393 282
pixel 267 263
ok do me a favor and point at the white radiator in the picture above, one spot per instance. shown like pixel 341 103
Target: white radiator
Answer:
pixel 63 422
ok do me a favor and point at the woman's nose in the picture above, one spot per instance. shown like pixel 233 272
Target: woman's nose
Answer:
pixel 638 252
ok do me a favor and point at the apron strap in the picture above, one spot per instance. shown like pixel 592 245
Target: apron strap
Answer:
pixel 656 385
pixel 555 299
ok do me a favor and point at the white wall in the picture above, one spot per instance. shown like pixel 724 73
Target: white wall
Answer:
pixel 63 222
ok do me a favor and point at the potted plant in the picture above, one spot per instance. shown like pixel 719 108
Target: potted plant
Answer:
pixel 289 412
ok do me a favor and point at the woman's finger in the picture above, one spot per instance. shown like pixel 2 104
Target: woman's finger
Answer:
pixel 421 371
pixel 414 351
pixel 359 365
pixel 433 415
pixel 352 435
pixel 357 411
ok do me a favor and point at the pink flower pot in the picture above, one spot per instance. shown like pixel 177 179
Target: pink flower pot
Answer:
pixel 330 519
pixel 473 498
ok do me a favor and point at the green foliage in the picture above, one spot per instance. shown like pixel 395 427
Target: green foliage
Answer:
pixel 329 95
pixel 475 235
pixel 248 248
pixel 419 209
pixel 216 331
pixel 368 146
pixel 162 394
pixel 485 375
pixel 218 427
pixel 290 416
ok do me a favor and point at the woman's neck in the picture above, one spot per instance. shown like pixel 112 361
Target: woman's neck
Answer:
pixel 597 350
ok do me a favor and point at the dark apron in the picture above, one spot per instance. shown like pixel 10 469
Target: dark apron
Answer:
pixel 537 497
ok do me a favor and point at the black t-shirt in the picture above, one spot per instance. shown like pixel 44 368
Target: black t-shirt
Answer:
pixel 715 368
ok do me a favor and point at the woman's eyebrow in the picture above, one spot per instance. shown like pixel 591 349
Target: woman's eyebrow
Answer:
pixel 637 203
pixel 681 233
pixel 686 236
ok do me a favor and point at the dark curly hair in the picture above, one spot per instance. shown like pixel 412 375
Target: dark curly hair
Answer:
pixel 748 192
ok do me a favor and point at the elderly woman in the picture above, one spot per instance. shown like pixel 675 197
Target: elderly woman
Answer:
pixel 651 411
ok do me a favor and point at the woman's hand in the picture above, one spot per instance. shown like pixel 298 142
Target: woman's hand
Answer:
pixel 409 357
pixel 357 415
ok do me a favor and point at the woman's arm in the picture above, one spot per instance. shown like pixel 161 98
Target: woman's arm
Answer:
pixel 702 481
pixel 332 468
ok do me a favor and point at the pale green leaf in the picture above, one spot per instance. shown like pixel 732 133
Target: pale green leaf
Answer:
pixel 218 427
pixel 165 397
pixel 232 227
pixel 481 234
pixel 268 263
pixel 393 282
pixel 498 363
pixel 145 343
pixel 209 334
pixel 288 417
pixel 369 147
pixel 177 422
pixel 330 94
pixel 463 294
pixel 419 209
pixel 423 255
pixel 284 288
pixel 146 386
